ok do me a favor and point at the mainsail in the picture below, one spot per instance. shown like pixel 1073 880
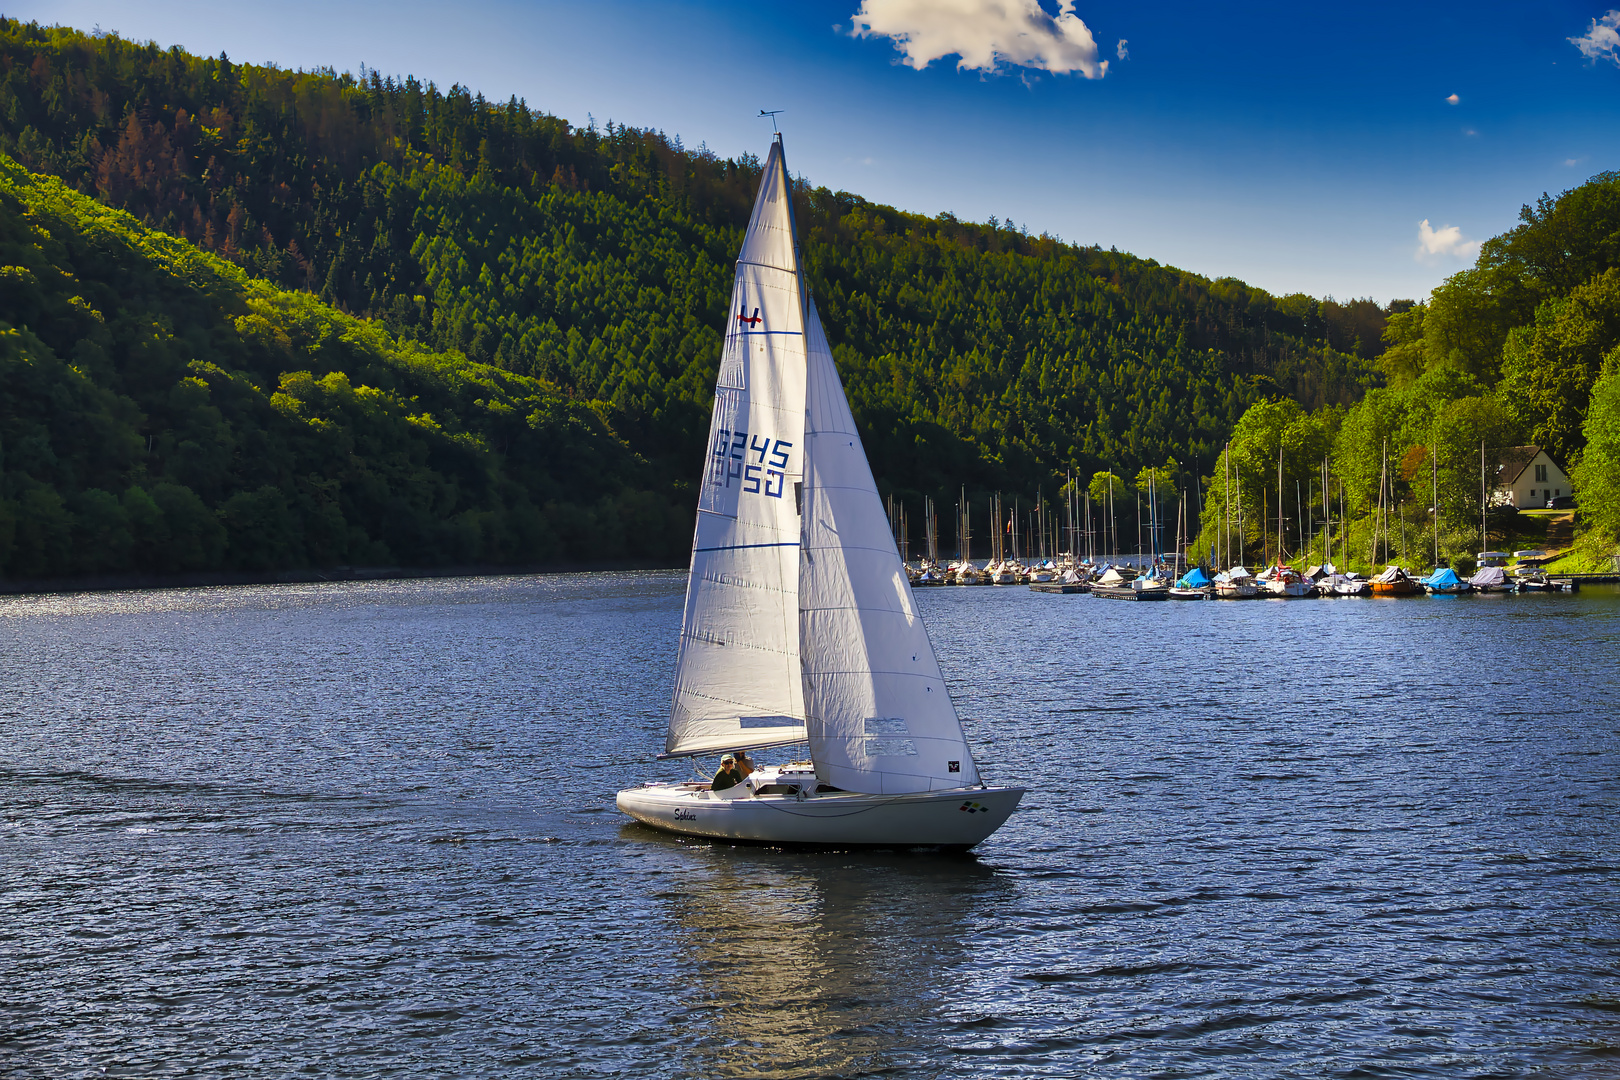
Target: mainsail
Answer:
pixel 879 717
pixel 737 681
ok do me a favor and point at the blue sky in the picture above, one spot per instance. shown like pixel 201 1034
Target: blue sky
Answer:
pixel 1297 147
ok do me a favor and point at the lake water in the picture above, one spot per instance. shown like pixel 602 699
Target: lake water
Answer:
pixel 367 830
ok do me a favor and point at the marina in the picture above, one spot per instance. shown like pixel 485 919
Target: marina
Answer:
pixel 1152 572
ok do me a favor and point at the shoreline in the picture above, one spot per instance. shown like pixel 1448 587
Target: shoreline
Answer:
pixel 305 576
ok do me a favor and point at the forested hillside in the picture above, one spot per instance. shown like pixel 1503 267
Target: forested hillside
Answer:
pixel 598 260
pixel 1524 347
pixel 162 412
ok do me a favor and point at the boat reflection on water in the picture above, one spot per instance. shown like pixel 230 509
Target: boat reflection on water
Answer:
pixel 814 963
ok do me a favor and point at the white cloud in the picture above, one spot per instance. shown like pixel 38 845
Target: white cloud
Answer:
pixel 1453 99
pixel 984 35
pixel 1602 41
pixel 1121 51
pixel 1445 242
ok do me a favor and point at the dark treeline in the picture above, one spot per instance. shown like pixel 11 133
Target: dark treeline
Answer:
pixel 598 262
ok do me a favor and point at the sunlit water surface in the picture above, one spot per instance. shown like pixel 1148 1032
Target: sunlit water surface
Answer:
pixel 367 830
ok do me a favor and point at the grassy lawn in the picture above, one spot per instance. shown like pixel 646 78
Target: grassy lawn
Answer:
pixel 1525 530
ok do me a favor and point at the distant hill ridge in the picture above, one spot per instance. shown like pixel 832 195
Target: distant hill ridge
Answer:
pixel 598 262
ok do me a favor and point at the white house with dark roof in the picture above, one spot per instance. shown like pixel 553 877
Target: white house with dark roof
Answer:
pixel 1527 478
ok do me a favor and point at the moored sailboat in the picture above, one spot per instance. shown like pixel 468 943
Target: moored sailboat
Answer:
pixel 1395 581
pixel 1193 585
pixel 1284 581
pixel 799 623
pixel 1235 583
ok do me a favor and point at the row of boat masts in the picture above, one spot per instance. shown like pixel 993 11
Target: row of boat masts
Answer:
pixel 1026 546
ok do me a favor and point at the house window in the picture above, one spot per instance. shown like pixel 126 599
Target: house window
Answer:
pixel 1541 474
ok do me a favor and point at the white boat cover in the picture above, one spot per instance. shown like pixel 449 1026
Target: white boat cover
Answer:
pixel 879 716
pixel 1488 577
pixel 737 678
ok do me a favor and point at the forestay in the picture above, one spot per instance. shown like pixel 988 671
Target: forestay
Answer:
pixel 878 714
pixel 737 681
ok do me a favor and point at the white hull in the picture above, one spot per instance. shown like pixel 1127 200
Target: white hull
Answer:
pixel 959 817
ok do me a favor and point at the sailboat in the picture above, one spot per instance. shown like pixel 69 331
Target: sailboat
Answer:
pixel 799 624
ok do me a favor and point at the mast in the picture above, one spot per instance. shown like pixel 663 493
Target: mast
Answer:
pixel 1299 506
pixel 1434 497
pixel 1198 508
pixel 1139 528
pixel 1344 522
pixel 1181 528
pixel 1113 521
pixel 1013 521
pixel 1388 500
pixel 1153 518
pixel 1068 506
pixel 1400 513
pixel 1090 554
pixel 1243 540
pixel 1281 554
pixel 1327 517
pixel 1226 508
pixel 1484 534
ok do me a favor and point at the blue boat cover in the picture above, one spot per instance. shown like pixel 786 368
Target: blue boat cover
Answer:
pixel 1443 579
pixel 1193 579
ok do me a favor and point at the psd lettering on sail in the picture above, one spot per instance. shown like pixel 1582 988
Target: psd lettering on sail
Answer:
pixel 755 438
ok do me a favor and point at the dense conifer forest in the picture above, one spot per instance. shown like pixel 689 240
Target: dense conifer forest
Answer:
pixel 317 318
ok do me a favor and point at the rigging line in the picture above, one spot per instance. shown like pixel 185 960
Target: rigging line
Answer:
pixel 740 547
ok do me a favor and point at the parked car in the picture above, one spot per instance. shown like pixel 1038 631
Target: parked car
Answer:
pixel 1563 502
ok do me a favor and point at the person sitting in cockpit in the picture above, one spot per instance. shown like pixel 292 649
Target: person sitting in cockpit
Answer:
pixel 728 776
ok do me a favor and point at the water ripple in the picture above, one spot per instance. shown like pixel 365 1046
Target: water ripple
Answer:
pixel 366 829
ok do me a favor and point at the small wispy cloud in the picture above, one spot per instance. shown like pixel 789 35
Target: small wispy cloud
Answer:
pixel 1121 51
pixel 1445 242
pixel 1602 41
pixel 984 35
pixel 1452 99
pixel 1572 161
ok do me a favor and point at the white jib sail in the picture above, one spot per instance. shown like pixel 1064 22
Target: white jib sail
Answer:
pixel 879 717
pixel 737 679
